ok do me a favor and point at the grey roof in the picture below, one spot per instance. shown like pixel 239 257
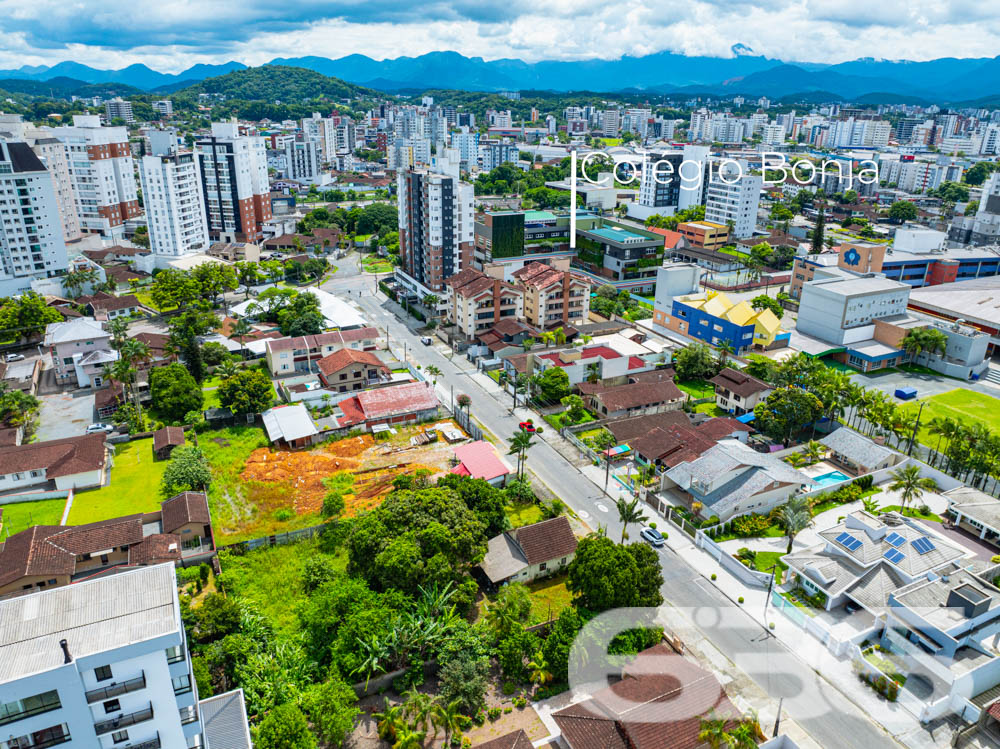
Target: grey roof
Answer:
pixel 873 589
pixel 832 572
pixel 95 616
pixel 289 423
pixel 100 356
pixel 928 598
pixel 23 159
pixel 873 544
pixel 759 470
pixel 979 506
pixel 856 447
pixel 224 720
pixel 78 329
pixel 503 558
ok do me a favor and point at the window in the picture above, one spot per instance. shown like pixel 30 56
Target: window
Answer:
pixel 119 736
pixel 103 673
pixel 542 567
pixel 112 706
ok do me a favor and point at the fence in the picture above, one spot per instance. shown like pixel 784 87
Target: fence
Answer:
pixel 278 539
pixel 733 566
pixel 32 496
pixel 814 627
pixel 464 420
pixel 678 521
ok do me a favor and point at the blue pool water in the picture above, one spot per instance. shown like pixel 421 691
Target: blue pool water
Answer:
pixel 833 477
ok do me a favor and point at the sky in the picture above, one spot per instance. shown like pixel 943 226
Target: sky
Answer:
pixel 171 35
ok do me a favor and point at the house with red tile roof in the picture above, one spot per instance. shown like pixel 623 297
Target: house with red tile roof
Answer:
pixel 479 460
pixel 669 439
pixel 553 297
pixel 407 403
pixel 529 552
pixel 297 354
pixel 70 463
pixel 592 361
pixel 348 369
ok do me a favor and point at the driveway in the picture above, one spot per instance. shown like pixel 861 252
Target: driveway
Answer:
pixel 65 415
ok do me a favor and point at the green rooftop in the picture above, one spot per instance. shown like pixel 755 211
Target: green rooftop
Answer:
pixel 539 216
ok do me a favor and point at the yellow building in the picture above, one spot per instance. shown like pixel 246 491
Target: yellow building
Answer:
pixel 714 318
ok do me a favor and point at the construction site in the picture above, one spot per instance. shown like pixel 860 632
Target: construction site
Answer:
pixel 372 460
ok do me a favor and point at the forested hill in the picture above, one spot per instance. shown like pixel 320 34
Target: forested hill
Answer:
pixel 278 83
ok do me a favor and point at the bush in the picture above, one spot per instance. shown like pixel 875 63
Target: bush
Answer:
pixel 740 599
pixel 520 702
pixel 865 482
pixel 750 525
pixel 714 576
pixel 283 515
pixel 771 625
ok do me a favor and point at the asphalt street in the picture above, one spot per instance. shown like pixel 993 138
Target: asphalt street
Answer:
pixel 829 717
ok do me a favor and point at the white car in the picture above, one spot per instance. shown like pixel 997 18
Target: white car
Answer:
pixel 99 428
pixel 14 357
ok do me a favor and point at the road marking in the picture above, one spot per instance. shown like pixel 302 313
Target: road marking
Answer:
pixel 601 507
pixel 584 515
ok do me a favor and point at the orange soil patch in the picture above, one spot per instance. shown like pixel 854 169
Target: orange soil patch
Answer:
pixel 302 472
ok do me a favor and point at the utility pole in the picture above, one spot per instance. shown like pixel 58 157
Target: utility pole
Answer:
pixel 770 585
pixel 777 718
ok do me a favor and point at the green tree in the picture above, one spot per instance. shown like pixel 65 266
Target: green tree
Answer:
pixel 910 484
pixel 174 392
pixel 604 575
pixel 786 412
pixel 332 709
pixel 817 234
pixel 553 384
pixel 630 512
pixel 248 392
pixel 695 362
pixel 188 470
pixel 794 517
pixel 214 279
pixel 902 210
pixel 174 288
pixel 285 727
pixel 763 301
pixel 575 410
pixel 25 316
pixel 511 609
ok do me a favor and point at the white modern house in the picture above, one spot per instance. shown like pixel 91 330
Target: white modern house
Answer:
pixel 99 664
pixel 80 349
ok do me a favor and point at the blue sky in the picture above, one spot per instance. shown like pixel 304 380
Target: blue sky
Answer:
pixel 172 35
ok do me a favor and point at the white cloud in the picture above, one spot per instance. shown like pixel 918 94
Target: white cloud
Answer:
pixel 173 35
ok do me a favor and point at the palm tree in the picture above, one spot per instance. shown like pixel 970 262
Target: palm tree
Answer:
pixel 241 330
pixel 870 505
pixel 548 338
pixel 227 369
pixel 630 512
pixel 713 732
pixel 520 443
pixel 725 349
pixel 118 328
pixel 910 484
pixel 814 451
pixel 433 372
pixel 408 738
pixel 538 669
pixel 560 335
pixel 418 707
pixel 528 343
pixel 449 718
pixel 594 372
pixel 794 517
pixel 389 721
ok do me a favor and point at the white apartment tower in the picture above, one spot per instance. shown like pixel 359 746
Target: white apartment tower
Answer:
pixel 31 237
pixel 164 107
pixel 731 197
pixel 102 173
pixel 235 183
pixel 302 159
pixel 175 204
pixel 53 154
pixel 436 226
pixel 99 664
pixel 118 108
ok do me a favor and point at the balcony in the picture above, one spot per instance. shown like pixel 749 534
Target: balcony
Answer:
pixel 153 743
pixel 113 690
pixel 124 721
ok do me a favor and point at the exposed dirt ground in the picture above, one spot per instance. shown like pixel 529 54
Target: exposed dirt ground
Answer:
pixel 297 477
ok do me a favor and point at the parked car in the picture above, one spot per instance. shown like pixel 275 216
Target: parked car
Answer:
pixel 99 428
pixel 426 340
pixel 653 536
pixel 850 607
pixel 14 357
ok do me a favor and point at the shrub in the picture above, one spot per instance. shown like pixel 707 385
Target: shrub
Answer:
pixel 750 525
pixel 714 576
pixel 283 515
pixel 508 688
pixel 771 625
pixel 494 713
pixel 520 702
pixel 865 482
pixel 508 710
pixel 925 509
pixel 740 599
pixel 203 572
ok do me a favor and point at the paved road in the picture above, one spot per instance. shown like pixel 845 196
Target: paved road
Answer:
pixel 822 710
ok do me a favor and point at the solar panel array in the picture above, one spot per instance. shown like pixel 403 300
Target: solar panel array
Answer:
pixel 848 541
pixel 895 540
pixel 894 556
pixel 923 545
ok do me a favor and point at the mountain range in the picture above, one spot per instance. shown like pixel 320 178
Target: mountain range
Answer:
pixel 944 80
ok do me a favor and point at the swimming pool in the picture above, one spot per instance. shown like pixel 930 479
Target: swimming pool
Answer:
pixel 833 477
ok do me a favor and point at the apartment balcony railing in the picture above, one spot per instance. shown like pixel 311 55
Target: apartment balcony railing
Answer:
pixel 113 690
pixel 124 721
pixel 53 741
pixel 153 743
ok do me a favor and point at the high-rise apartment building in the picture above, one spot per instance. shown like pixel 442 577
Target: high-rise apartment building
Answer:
pixel 102 174
pixel 175 203
pixel 101 663
pixel 53 155
pixel 234 182
pixel 119 109
pixel 734 198
pixel 164 107
pixel 31 237
pixel 324 132
pixel 436 228
pixel 493 155
pixel 302 159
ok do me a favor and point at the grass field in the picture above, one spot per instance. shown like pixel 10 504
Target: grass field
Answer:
pixel 523 514
pixel 767 559
pixel 964 405
pixel 134 487
pixel 696 388
pixel 258 574
pixel 548 598
pixel 709 408
pixel 913 512
pixel 20 515
pixel 561 419
pixel 230 500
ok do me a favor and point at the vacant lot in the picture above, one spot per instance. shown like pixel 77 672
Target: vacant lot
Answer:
pixel 134 487
pixel 963 405
pixel 548 598
pixel 257 490
pixel 20 515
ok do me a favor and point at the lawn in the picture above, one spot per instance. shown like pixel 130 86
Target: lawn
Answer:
pixel 561 419
pixel 525 514
pixel 772 531
pixel 588 436
pixel 258 574
pixel 211 398
pixel 886 666
pixel 549 597
pixel 710 408
pixel 795 597
pixel 829 504
pixel 913 512
pixel 967 406
pixel 765 560
pixel 146 299
pixel 376 264
pixel 696 388
pixel 134 487
pixel 20 515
